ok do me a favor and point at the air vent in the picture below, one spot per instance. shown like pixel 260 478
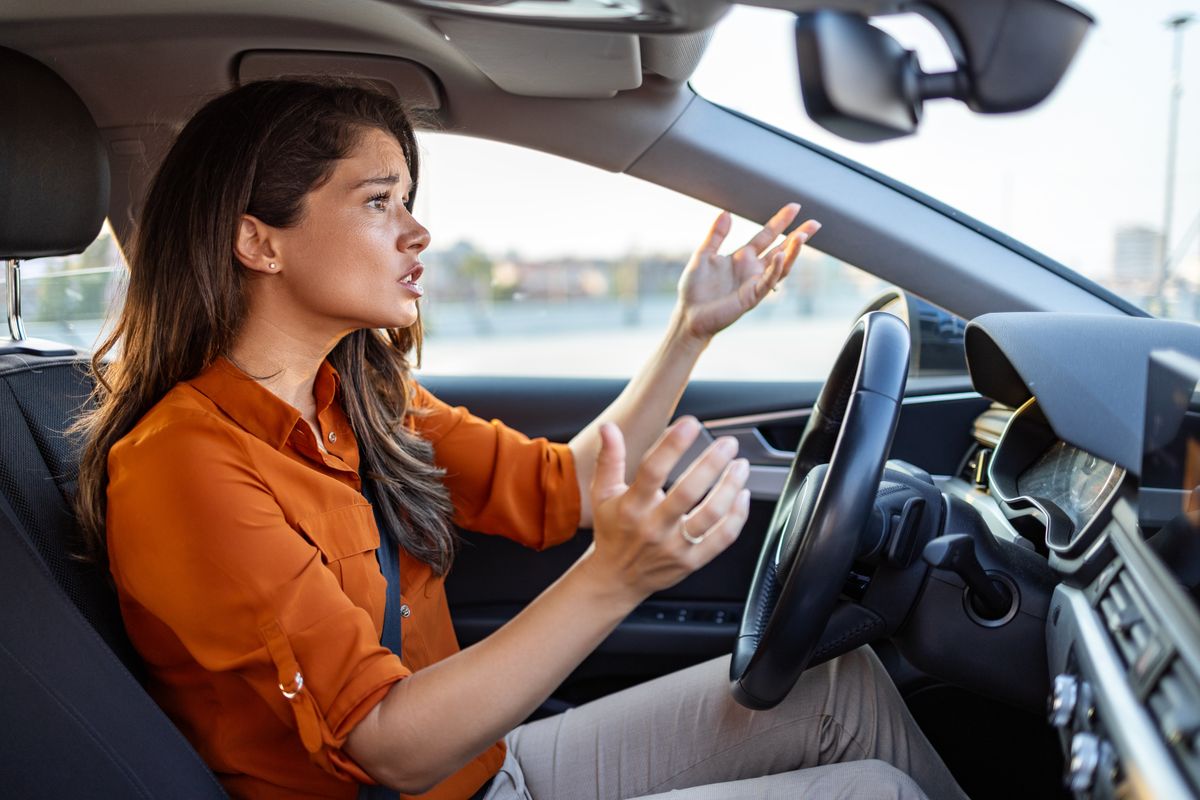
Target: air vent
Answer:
pixel 1174 702
pixel 1170 690
pixel 1124 615
pixel 990 425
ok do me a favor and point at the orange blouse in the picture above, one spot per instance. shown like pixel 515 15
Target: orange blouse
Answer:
pixel 244 560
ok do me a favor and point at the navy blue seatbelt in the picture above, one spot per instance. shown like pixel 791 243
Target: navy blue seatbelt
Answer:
pixel 389 563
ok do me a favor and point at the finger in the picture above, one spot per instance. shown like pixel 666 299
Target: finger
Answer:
pixel 771 275
pixel 781 265
pixel 661 458
pixel 717 233
pixel 779 248
pixel 782 246
pixel 694 483
pixel 775 226
pixel 609 478
pixel 803 232
pixel 717 502
pixel 809 229
pixel 788 254
pixel 788 259
pixel 725 532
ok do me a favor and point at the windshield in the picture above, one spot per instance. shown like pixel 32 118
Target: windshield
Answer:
pixel 1081 177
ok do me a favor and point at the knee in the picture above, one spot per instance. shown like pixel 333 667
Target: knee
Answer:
pixel 879 780
pixel 862 666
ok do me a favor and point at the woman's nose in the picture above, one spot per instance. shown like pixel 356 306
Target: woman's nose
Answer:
pixel 415 238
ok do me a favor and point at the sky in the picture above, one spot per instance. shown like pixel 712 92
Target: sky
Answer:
pixel 1060 177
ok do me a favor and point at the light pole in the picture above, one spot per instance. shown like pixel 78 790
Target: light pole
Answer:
pixel 1177 23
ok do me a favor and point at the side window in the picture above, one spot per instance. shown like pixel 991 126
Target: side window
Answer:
pixel 540 266
pixel 69 299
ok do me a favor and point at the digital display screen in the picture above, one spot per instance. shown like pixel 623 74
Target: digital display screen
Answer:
pixel 1171 445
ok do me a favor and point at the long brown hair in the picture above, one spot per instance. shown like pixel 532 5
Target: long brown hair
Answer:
pixel 258 150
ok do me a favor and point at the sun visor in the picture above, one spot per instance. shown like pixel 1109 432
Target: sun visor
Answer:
pixel 548 62
pixel 1088 372
pixel 397 76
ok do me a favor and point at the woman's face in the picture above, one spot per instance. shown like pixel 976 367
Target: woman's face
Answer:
pixel 353 259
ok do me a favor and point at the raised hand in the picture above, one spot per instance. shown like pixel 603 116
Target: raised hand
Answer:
pixel 647 538
pixel 715 290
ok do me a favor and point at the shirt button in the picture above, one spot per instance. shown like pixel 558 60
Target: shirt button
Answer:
pixel 405 611
pixel 332 437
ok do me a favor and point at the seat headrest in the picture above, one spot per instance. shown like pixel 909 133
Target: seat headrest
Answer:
pixel 54 177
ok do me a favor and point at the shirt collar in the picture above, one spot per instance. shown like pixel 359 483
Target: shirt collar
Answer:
pixel 257 409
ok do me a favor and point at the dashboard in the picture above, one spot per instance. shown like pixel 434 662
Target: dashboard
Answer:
pixel 1094 464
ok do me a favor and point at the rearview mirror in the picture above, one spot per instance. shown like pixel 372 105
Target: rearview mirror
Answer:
pixel 856 81
pixel 860 83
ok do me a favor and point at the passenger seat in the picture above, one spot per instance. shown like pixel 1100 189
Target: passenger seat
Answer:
pixel 76 722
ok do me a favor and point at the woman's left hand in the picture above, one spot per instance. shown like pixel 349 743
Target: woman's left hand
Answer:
pixel 715 290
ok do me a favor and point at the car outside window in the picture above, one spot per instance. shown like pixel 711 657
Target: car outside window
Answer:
pixel 540 266
pixel 68 299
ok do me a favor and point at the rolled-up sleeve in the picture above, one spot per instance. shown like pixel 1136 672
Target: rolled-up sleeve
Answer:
pixel 501 481
pixel 198 541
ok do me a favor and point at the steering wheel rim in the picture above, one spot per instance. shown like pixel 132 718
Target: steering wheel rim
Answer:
pixel 813 536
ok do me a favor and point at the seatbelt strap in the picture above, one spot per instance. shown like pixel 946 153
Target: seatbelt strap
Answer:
pixel 389 563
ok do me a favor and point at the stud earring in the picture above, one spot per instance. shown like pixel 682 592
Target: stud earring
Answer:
pixel 273 265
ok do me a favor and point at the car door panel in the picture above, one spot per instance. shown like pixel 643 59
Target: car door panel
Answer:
pixel 493 578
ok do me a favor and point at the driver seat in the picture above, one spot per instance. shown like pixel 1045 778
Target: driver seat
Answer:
pixel 76 721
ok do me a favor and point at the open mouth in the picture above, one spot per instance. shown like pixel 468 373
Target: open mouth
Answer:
pixel 410 280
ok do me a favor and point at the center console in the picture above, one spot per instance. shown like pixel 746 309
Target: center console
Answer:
pixel 1124 648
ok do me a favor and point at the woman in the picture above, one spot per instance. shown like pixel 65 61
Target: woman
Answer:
pixel 263 365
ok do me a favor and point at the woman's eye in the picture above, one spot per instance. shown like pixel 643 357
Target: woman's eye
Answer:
pixel 379 202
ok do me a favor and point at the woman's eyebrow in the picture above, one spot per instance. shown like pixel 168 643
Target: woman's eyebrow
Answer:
pixel 378 180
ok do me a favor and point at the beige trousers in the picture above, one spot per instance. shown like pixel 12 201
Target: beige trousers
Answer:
pixel 842 732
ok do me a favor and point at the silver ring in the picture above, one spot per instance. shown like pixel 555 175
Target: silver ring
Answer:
pixel 687 537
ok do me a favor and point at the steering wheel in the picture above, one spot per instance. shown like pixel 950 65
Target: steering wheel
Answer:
pixel 813 536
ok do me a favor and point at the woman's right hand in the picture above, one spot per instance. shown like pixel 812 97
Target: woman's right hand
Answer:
pixel 638 529
pixel 434 721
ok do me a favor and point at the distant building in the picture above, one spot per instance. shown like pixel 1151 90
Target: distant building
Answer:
pixel 1137 254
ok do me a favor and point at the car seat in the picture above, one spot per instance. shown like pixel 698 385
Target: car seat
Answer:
pixel 76 722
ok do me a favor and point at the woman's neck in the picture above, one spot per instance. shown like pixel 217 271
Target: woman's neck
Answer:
pixel 285 364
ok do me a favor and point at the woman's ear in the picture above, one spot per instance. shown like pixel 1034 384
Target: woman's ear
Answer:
pixel 253 246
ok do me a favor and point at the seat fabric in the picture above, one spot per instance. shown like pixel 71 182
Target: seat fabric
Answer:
pixel 76 722
pixel 38 470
